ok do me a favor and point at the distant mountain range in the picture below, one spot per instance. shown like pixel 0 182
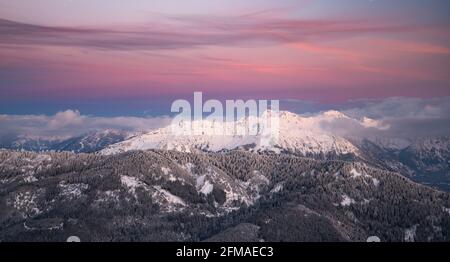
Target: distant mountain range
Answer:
pixel 87 143
pixel 425 160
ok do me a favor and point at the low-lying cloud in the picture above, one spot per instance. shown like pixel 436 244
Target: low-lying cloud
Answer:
pixel 70 123
pixel 395 117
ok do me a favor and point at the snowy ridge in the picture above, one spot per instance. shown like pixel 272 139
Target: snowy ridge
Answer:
pixel 85 143
pixel 298 134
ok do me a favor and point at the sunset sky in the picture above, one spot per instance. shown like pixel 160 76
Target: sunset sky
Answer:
pixel 113 57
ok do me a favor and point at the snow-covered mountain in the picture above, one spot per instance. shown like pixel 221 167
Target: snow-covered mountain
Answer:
pixel 320 136
pixel 297 134
pixel 327 135
pixel 93 141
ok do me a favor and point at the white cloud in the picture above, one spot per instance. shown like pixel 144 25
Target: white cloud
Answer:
pixel 66 119
pixel 372 123
pixel 70 123
pixel 402 107
pixel 395 117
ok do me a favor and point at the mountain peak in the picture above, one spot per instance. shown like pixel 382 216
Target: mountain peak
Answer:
pixel 298 134
pixel 334 114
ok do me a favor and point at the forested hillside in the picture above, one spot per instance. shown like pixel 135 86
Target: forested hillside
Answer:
pixel 161 195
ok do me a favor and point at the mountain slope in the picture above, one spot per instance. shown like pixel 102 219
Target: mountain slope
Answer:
pixel 161 195
pixel 425 160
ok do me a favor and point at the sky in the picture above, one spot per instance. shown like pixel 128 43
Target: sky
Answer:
pixel 133 58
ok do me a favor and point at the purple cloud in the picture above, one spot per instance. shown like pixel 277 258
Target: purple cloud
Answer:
pixel 190 32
